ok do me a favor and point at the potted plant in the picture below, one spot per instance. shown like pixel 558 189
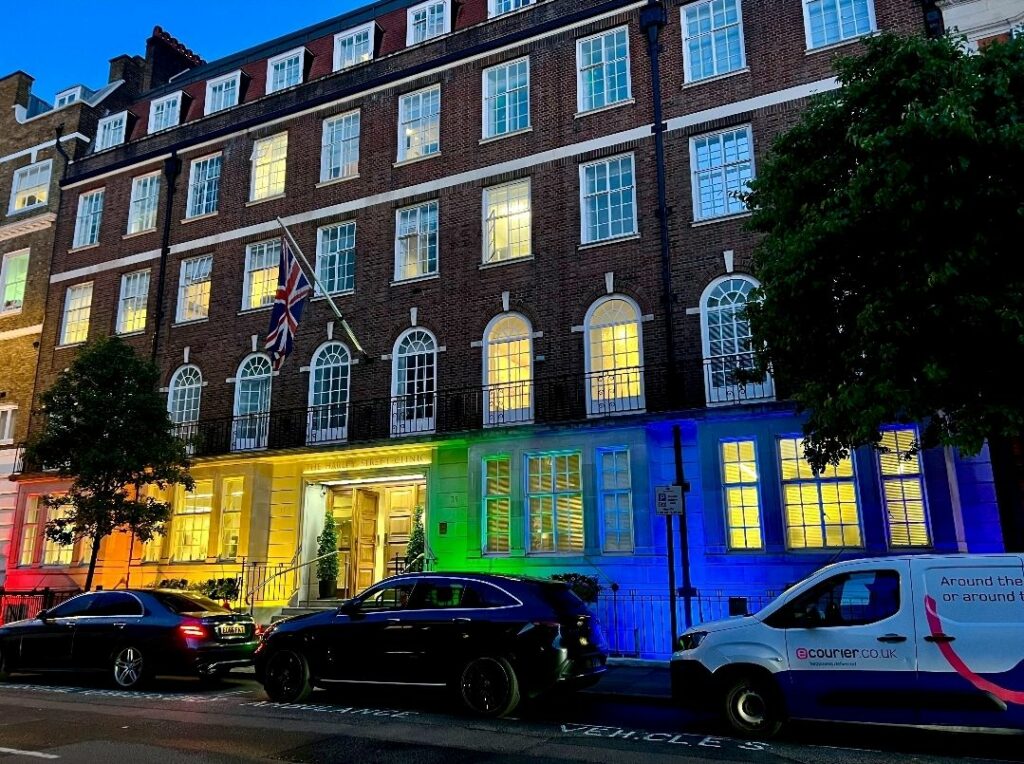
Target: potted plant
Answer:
pixel 414 552
pixel 327 562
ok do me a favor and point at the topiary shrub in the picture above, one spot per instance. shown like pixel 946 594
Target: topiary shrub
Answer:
pixel 585 587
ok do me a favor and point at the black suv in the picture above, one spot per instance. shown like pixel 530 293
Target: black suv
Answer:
pixel 489 638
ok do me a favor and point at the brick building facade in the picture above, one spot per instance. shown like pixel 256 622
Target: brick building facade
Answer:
pixel 477 183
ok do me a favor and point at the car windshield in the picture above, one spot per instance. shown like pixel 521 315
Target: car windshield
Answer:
pixel 180 602
pixel 562 599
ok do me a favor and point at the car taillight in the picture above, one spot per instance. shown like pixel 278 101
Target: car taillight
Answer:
pixel 193 630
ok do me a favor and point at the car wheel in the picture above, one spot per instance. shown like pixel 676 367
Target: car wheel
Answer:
pixel 129 668
pixel 752 707
pixel 286 678
pixel 489 686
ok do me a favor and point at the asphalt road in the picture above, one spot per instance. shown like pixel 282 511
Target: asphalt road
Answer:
pixel 173 721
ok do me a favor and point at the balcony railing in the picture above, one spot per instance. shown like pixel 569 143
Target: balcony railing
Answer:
pixel 723 385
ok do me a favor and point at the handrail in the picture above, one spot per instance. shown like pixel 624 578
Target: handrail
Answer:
pixel 248 596
pixel 252 590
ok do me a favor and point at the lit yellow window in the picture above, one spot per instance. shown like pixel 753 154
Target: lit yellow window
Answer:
pixel 497 504
pixel 507 224
pixel 821 510
pixel 230 517
pixel 192 522
pixel 54 553
pixel 269 160
pixel 740 486
pixel 261 271
pixel 903 489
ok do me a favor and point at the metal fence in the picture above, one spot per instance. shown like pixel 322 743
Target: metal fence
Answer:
pixel 17 606
pixel 639 624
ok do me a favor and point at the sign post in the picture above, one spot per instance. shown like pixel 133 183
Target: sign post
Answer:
pixel 668 501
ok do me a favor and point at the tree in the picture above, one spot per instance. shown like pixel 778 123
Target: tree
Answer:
pixel 106 427
pixel 892 282
pixel 415 550
pixel 327 550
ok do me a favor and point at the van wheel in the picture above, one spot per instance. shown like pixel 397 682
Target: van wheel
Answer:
pixel 129 668
pixel 752 707
pixel 489 686
pixel 286 678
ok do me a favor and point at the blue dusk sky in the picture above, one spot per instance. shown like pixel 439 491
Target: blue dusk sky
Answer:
pixel 79 47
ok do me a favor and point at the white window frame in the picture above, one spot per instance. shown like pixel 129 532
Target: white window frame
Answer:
pixel 252 167
pixel 321 255
pixel 520 415
pixel 8 419
pixel 179 314
pixel 321 425
pixel 400 425
pixel 872 21
pixel 158 102
pixel 633 404
pixel 246 273
pixel 246 436
pixel 132 200
pixel 492 13
pixel 698 217
pixel 226 494
pixel 688 62
pixel 64 315
pixel 437 243
pixel 371 30
pixel 580 107
pixel 120 326
pixel 488 128
pixel 16 187
pixel 410 37
pixel 301 53
pixel 195 509
pixel 235 76
pixel 4 275
pixel 403 149
pixel 487 254
pixel 584 227
pixel 325 175
pixel 75 92
pixel 192 185
pixel 185 426
pixel 602 492
pixel 554 494
pixel 885 479
pixel 118 137
pixel 83 220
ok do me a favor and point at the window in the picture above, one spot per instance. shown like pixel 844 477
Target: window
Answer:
pixel 340 155
pixel 8 418
pixel 607 199
pixel 230 517
pixel 183 401
pixel 507 98
pixel 554 502
pixel 508 371
pixel 192 522
pixel 428 20
pixel 507 222
pixel 821 510
pixel 165 112
pixel 204 186
pixel 115 604
pixel 31 186
pixel 131 308
pixel 13 278
pixel 723 166
pixel 419 124
pixel 153 549
pixel 388 597
pixel 222 93
pixel 194 289
pixel 143 204
pixel 74 607
pixel 252 404
pixel 354 46
pixel 602 65
pixel 336 257
pixel 90 215
pixel 269 164
pixel 615 498
pixel 903 488
pixel 54 553
pixel 77 307
pixel 30 531
pixel 500 7
pixel 111 131
pixel 827 22
pixel 849 599
pixel 285 71
pixel 614 357
pixel 740 491
pixel 497 499
pixel 712 38
pixel 262 262
pixel 416 241
pixel 728 343
pixel 67 97
pixel 414 383
pixel 329 374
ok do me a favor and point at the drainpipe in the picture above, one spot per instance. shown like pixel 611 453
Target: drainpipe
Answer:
pixel 172 167
pixel 60 150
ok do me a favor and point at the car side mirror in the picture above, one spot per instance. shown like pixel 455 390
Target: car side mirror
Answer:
pixel 348 608
pixel 42 615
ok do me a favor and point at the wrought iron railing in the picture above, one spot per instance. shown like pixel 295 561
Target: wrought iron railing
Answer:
pixel 726 380
pixel 19 605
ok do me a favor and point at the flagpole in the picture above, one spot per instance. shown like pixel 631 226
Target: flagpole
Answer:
pixel 320 287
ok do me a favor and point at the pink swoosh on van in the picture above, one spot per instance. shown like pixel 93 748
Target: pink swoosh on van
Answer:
pixel 954 660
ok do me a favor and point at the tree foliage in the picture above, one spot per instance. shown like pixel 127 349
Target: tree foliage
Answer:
pixel 106 427
pixel 891 264
pixel 415 551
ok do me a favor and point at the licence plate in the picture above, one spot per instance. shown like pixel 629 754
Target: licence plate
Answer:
pixel 231 629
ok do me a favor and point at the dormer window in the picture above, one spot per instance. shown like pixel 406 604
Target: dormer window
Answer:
pixel 501 7
pixel 68 97
pixel 354 46
pixel 165 112
pixel 285 71
pixel 223 92
pixel 111 130
pixel 428 20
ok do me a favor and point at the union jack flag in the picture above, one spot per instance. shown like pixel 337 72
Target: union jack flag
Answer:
pixel 292 290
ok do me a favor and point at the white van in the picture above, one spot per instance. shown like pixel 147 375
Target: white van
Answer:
pixel 934 640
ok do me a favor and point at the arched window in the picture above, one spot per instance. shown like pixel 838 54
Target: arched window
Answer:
pixel 614 354
pixel 414 383
pixel 252 404
pixel 508 370
pixel 728 342
pixel 329 374
pixel 183 399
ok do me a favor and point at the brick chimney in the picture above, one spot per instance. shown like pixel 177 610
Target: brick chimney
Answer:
pixel 130 69
pixel 15 89
pixel 166 56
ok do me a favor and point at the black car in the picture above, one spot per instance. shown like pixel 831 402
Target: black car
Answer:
pixel 491 639
pixel 132 635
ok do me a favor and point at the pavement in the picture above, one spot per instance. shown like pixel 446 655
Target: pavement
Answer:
pixel 646 681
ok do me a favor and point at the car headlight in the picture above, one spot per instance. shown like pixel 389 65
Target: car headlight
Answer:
pixel 691 640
